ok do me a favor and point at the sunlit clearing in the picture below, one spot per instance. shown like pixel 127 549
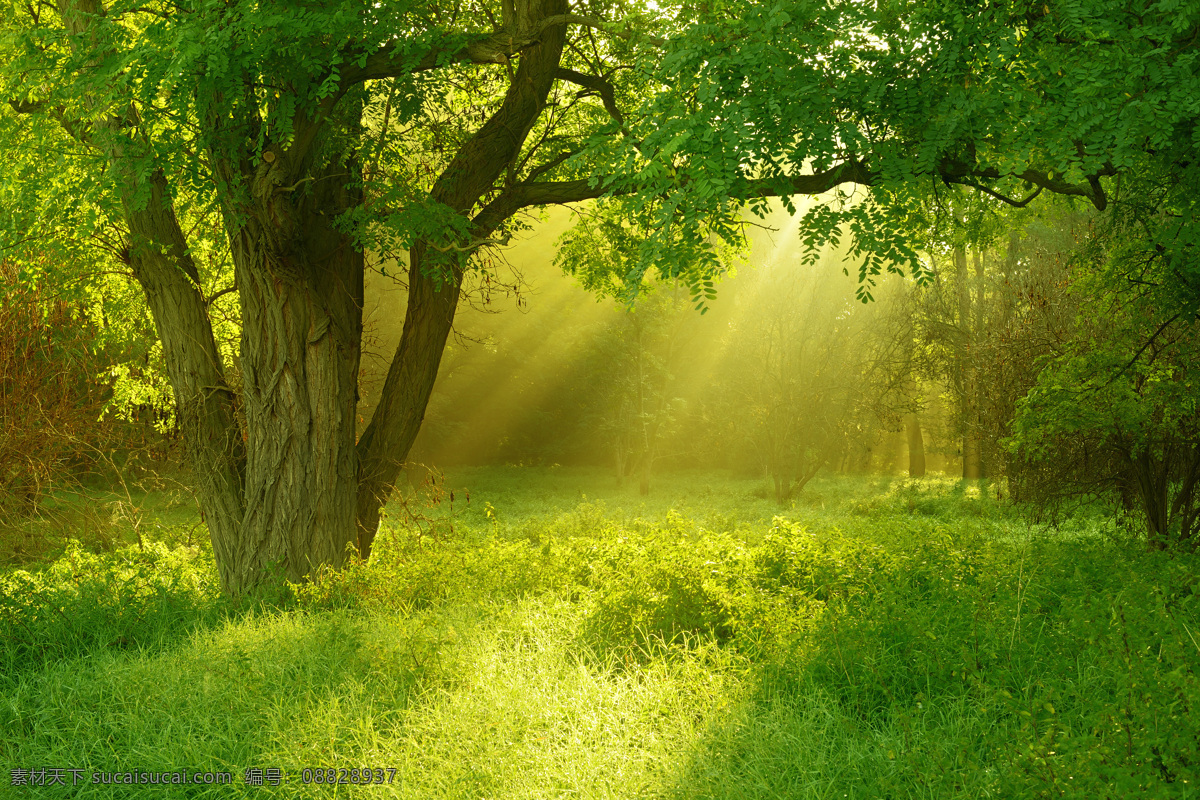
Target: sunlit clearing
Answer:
pixel 552 375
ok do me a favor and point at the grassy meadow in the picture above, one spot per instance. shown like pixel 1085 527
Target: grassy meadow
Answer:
pixel 543 633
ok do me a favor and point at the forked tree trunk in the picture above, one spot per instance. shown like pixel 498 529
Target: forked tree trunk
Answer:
pixel 287 495
pixel 783 487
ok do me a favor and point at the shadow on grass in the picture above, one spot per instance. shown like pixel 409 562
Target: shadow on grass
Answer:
pixel 129 599
pixel 1064 669
pixel 274 690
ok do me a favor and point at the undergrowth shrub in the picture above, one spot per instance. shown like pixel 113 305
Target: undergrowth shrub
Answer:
pixel 408 574
pixel 130 598
pixel 56 436
pixel 661 585
pixel 49 396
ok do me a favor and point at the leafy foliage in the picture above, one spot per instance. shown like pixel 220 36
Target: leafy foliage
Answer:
pixel 1117 407
pixel 912 99
pixel 55 388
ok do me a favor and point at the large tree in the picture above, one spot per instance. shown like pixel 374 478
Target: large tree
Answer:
pixel 312 131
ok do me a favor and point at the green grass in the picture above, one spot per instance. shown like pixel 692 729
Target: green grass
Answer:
pixel 559 636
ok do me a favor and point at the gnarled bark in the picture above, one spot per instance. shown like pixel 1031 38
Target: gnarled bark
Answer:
pixel 300 282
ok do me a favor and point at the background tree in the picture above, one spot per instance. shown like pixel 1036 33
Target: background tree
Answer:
pixel 646 345
pixel 952 318
pixel 1113 411
pixel 992 309
pixel 808 368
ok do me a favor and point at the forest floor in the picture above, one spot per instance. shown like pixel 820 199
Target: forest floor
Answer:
pixel 554 635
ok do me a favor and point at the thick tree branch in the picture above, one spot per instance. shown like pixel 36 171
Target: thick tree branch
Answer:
pixel 558 160
pixel 539 193
pixel 598 85
pixel 1093 191
pixel 964 172
pixel 394 58
pixel 1145 346
pixel 56 113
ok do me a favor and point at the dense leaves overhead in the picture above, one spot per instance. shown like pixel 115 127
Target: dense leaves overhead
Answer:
pixel 1096 100
pixel 715 106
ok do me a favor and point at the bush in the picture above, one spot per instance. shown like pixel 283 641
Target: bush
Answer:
pixel 83 601
pixel 49 398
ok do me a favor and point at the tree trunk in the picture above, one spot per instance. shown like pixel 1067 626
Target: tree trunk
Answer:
pixel 916 445
pixel 204 403
pixel 300 282
pixel 782 487
pixel 1153 487
pixel 293 501
pixel 435 283
pixel 159 257
pixel 389 436
pixel 624 447
pixel 978 392
pixel 966 369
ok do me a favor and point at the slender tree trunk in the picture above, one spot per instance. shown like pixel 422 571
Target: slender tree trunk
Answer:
pixel 620 452
pixel 159 257
pixel 647 460
pixel 435 283
pixel 916 445
pixel 644 479
pixel 978 391
pixel 965 368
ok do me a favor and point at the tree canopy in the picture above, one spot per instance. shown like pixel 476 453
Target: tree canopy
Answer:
pixel 1091 100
